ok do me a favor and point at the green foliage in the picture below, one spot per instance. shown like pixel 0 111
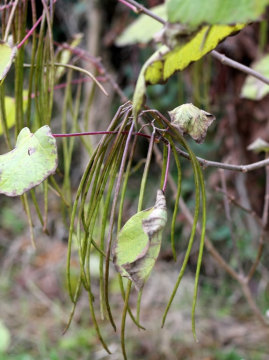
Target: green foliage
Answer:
pixel 31 162
pixel 212 12
pixel 253 88
pixel 143 29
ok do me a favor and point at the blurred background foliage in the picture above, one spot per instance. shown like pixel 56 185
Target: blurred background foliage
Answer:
pixel 34 302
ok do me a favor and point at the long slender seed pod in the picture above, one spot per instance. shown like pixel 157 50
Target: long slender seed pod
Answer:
pixel 140 204
pixel 112 219
pixel 123 319
pixel 89 233
pixel 182 141
pixel 38 79
pixel 165 152
pixel 37 208
pixel 75 300
pixel 56 188
pixel 179 178
pixel 32 68
pixel 123 192
pixel 102 242
pixel 46 205
pixel 96 325
pixel 97 158
pixel 201 248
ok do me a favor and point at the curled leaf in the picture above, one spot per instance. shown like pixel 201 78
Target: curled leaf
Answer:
pixel 31 162
pixel 214 11
pixel 189 119
pixel 139 242
pixel 259 145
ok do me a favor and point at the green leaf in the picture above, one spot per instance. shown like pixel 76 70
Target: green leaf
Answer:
pixel 7 54
pixel 4 337
pixel 180 57
pixel 10 108
pixel 191 120
pixel 31 162
pixel 259 145
pixel 139 241
pixel 197 12
pixel 143 29
pixel 253 88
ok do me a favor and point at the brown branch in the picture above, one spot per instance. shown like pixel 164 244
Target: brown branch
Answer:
pixel 207 163
pixel 236 65
pixel 264 224
pixel 239 205
pixel 229 218
pixel 141 9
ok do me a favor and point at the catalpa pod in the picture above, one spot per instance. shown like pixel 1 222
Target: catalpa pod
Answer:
pixel 139 242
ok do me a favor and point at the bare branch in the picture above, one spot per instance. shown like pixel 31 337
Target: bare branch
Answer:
pixel 141 9
pixel 227 61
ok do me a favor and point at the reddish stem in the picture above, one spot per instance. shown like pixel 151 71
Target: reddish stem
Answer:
pixel 132 7
pixel 30 32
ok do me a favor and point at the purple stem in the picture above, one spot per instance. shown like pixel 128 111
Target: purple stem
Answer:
pixel 167 167
pixel 3 7
pixel 30 32
pixel 132 7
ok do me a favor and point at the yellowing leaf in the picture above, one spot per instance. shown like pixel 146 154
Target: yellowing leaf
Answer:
pixel 10 110
pixel 191 120
pixel 165 62
pixel 179 58
pixel 255 89
pixel 139 241
pixel 32 161
pixel 7 54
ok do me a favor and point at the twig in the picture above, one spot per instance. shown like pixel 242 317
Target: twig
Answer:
pixel 140 8
pixel 229 218
pixel 264 224
pixel 239 205
pixel 266 197
pixel 227 61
